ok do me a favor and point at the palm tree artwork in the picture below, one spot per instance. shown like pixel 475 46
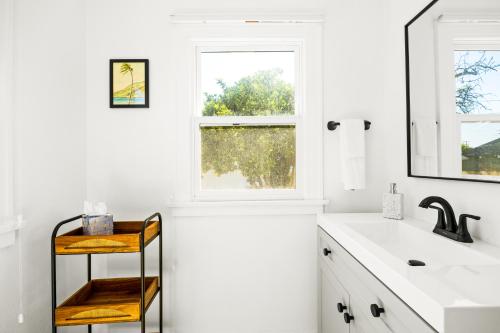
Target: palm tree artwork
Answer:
pixel 129 83
pixel 124 69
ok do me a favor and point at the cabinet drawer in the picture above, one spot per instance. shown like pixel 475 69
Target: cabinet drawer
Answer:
pixel 366 289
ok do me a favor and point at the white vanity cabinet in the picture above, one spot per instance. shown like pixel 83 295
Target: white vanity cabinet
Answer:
pixel 331 294
pixel 335 303
pixel 370 307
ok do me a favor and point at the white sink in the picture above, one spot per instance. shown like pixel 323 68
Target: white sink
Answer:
pixel 406 242
pixel 458 290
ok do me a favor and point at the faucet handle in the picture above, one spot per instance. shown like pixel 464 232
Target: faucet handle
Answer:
pixel 465 216
pixel 462 232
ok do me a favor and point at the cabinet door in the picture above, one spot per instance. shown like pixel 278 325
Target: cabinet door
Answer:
pixel 331 293
pixel 361 324
pixel 361 321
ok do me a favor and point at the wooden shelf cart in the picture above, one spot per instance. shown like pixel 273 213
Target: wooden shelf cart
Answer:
pixel 105 301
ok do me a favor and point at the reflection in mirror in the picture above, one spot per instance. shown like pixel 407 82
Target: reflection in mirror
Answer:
pixel 453 76
pixel 481 148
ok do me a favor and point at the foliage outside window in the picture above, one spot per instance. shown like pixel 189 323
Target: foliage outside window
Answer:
pixel 260 154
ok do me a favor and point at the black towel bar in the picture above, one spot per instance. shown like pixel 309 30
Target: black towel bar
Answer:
pixel 332 125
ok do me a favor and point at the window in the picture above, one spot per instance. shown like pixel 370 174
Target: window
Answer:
pixel 249 112
pixel 247 120
pixel 477 76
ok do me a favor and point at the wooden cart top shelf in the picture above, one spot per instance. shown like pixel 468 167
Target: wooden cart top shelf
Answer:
pixel 125 239
pixel 105 301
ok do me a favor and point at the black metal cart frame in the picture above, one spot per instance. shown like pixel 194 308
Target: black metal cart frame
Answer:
pixel 89 271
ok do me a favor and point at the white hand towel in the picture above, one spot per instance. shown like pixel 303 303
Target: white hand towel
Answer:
pixel 352 153
pixel 426 136
pixel 425 145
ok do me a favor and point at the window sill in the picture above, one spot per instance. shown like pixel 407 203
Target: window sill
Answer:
pixel 246 208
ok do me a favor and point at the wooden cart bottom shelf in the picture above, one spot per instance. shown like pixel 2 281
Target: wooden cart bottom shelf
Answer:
pixel 107 301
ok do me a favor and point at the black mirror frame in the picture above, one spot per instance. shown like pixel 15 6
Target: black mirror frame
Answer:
pixel 408 107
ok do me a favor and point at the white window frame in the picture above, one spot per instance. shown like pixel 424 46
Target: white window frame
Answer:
pixel 453 37
pixel 295 46
pixel 188 38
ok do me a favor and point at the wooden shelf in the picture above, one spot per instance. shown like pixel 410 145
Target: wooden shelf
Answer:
pixel 125 238
pixel 106 301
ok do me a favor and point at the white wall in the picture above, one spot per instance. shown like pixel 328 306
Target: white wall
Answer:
pixel 136 147
pixel 353 67
pixel 6 107
pixel 49 156
pixel 8 256
pixel 245 274
pixel 473 198
pixel 250 274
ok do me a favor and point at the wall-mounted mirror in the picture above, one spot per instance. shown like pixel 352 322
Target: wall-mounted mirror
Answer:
pixel 453 91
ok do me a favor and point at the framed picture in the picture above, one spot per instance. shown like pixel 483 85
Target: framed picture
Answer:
pixel 129 83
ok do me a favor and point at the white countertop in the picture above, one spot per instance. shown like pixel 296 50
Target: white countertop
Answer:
pixel 457 291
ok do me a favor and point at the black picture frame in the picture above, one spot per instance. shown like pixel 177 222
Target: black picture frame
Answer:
pixel 408 106
pixel 146 84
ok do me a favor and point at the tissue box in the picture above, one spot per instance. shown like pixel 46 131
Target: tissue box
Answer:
pixel 98 224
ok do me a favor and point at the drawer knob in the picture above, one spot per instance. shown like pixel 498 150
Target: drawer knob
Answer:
pixel 376 310
pixel 326 252
pixel 348 318
pixel 341 307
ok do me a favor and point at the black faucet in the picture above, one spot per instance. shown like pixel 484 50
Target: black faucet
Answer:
pixel 446 223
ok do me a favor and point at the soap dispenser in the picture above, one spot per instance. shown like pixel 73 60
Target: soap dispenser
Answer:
pixel 392 205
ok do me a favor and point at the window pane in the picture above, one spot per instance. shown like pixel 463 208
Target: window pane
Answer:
pixel 247 83
pixel 481 148
pixel 477 75
pixel 248 157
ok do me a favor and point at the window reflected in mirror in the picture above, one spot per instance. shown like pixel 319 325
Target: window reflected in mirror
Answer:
pixel 481 148
pixel 477 75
